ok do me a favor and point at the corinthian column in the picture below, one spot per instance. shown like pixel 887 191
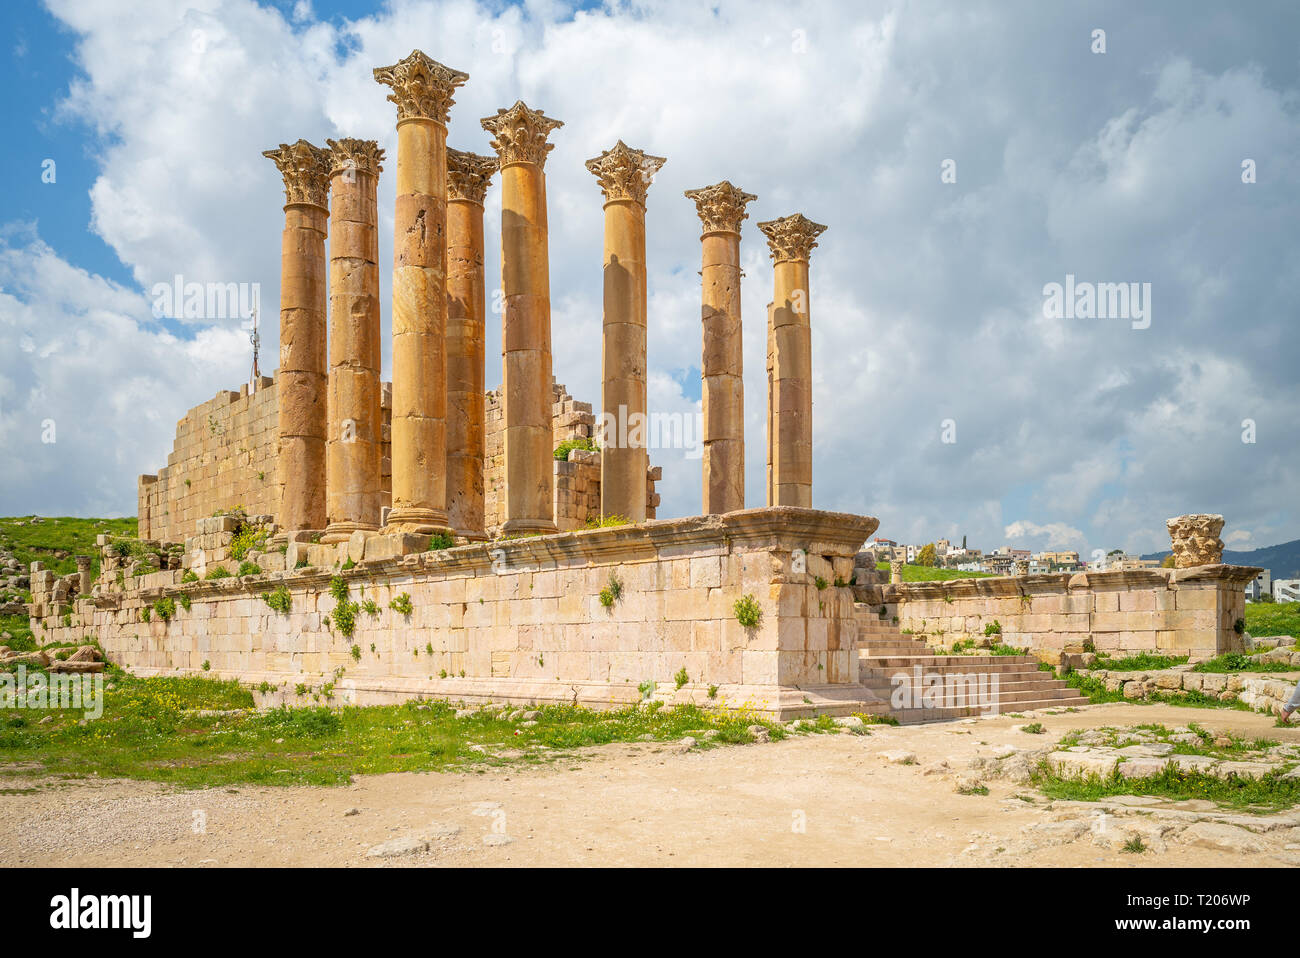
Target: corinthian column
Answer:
pixel 468 176
pixel 519 138
pixel 301 382
pixel 422 91
pixel 722 208
pixel 624 176
pixel 352 451
pixel 789 362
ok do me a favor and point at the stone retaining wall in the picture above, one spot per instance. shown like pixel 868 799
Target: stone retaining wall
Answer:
pixel 1198 611
pixel 1261 691
pixel 517 620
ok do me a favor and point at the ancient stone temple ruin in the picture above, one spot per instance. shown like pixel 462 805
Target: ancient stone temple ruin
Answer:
pixel 321 532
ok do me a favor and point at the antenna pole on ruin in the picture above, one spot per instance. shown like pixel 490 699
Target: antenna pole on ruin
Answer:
pixel 255 338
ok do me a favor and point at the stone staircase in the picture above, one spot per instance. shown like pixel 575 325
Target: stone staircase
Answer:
pixel 973 684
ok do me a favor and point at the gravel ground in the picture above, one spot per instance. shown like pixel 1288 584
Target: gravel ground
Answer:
pixel 893 797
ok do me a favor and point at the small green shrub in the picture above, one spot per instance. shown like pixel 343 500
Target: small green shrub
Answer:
pixel 563 449
pixel 993 628
pixel 748 612
pixel 184 599
pixel 207 666
pixel 280 600
pixel 440 540
pixel 249 568
pixel 165 608
pixel 146 614
pixel 355 652
pixel 681 678
pixel 401 604
pixel 612 592
pixel 606 522
pixel 189 576
pixel 217 572
pixel 820 583
pixel 370 608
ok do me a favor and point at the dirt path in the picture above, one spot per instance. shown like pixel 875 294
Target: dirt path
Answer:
pixel 816 800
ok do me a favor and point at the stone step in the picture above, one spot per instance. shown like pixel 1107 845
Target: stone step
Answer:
pixel 1024 694
pixel 920 716
pixel 930 661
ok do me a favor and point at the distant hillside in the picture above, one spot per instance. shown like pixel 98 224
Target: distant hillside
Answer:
pixel 1282 560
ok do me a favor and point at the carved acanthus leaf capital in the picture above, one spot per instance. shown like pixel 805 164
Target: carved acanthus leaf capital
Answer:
pixel 350 154
pixel 721 206
pixel 791 238
pixel 468 175
pixel 306 172
pixel 625 173
pixel 422 87
pixel 519 134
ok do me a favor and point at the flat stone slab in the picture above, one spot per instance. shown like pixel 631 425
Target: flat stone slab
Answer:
pixel 1068 764
pixel 1142 767
pixel 397 847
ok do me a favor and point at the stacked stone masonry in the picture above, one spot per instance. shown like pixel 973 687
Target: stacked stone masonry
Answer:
pixel 520 620
pixel 224 457
pixel 1197 611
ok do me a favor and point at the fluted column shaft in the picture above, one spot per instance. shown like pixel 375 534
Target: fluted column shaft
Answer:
pixel 422 90
pixel 353 447
pixel 624 175
pixel 722 209
pixel 790 362
pixel 419 418
pixel 526 322
pixel 623 455
pixel 466 312
pixel 302 377
pixel 722 372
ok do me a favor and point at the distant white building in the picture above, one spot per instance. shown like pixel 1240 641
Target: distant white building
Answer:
pixel 1286 590
pixel 1261 585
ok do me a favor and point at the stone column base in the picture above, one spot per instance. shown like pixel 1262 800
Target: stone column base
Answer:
pixel 337 532
pixel 425 522
pixel 526 527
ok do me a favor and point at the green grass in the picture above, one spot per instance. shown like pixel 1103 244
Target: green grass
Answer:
pixel 1237 662
pixel 1270 792
pixel 149 731
pixel 924 573
pixel 1097 694
pixel 1144 662
pixel 1273 618
pixel 48 539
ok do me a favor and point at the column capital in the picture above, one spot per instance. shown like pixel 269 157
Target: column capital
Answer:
pixel 468 175
pixel 791 238
pixel 721 206
pixel 422 87
pixel 519 134
pixel 353 154
pixel 306 172
pixel 625 173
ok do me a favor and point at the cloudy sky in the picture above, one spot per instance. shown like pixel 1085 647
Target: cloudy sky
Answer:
pixel 927 298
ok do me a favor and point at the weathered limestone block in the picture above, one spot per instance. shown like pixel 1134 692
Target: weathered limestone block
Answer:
pixel 1196 540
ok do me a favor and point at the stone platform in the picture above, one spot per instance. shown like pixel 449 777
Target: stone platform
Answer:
pixel 519 620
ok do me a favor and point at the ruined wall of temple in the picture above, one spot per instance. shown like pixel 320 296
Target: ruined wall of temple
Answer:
pixel 224 456
pixel 577 478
